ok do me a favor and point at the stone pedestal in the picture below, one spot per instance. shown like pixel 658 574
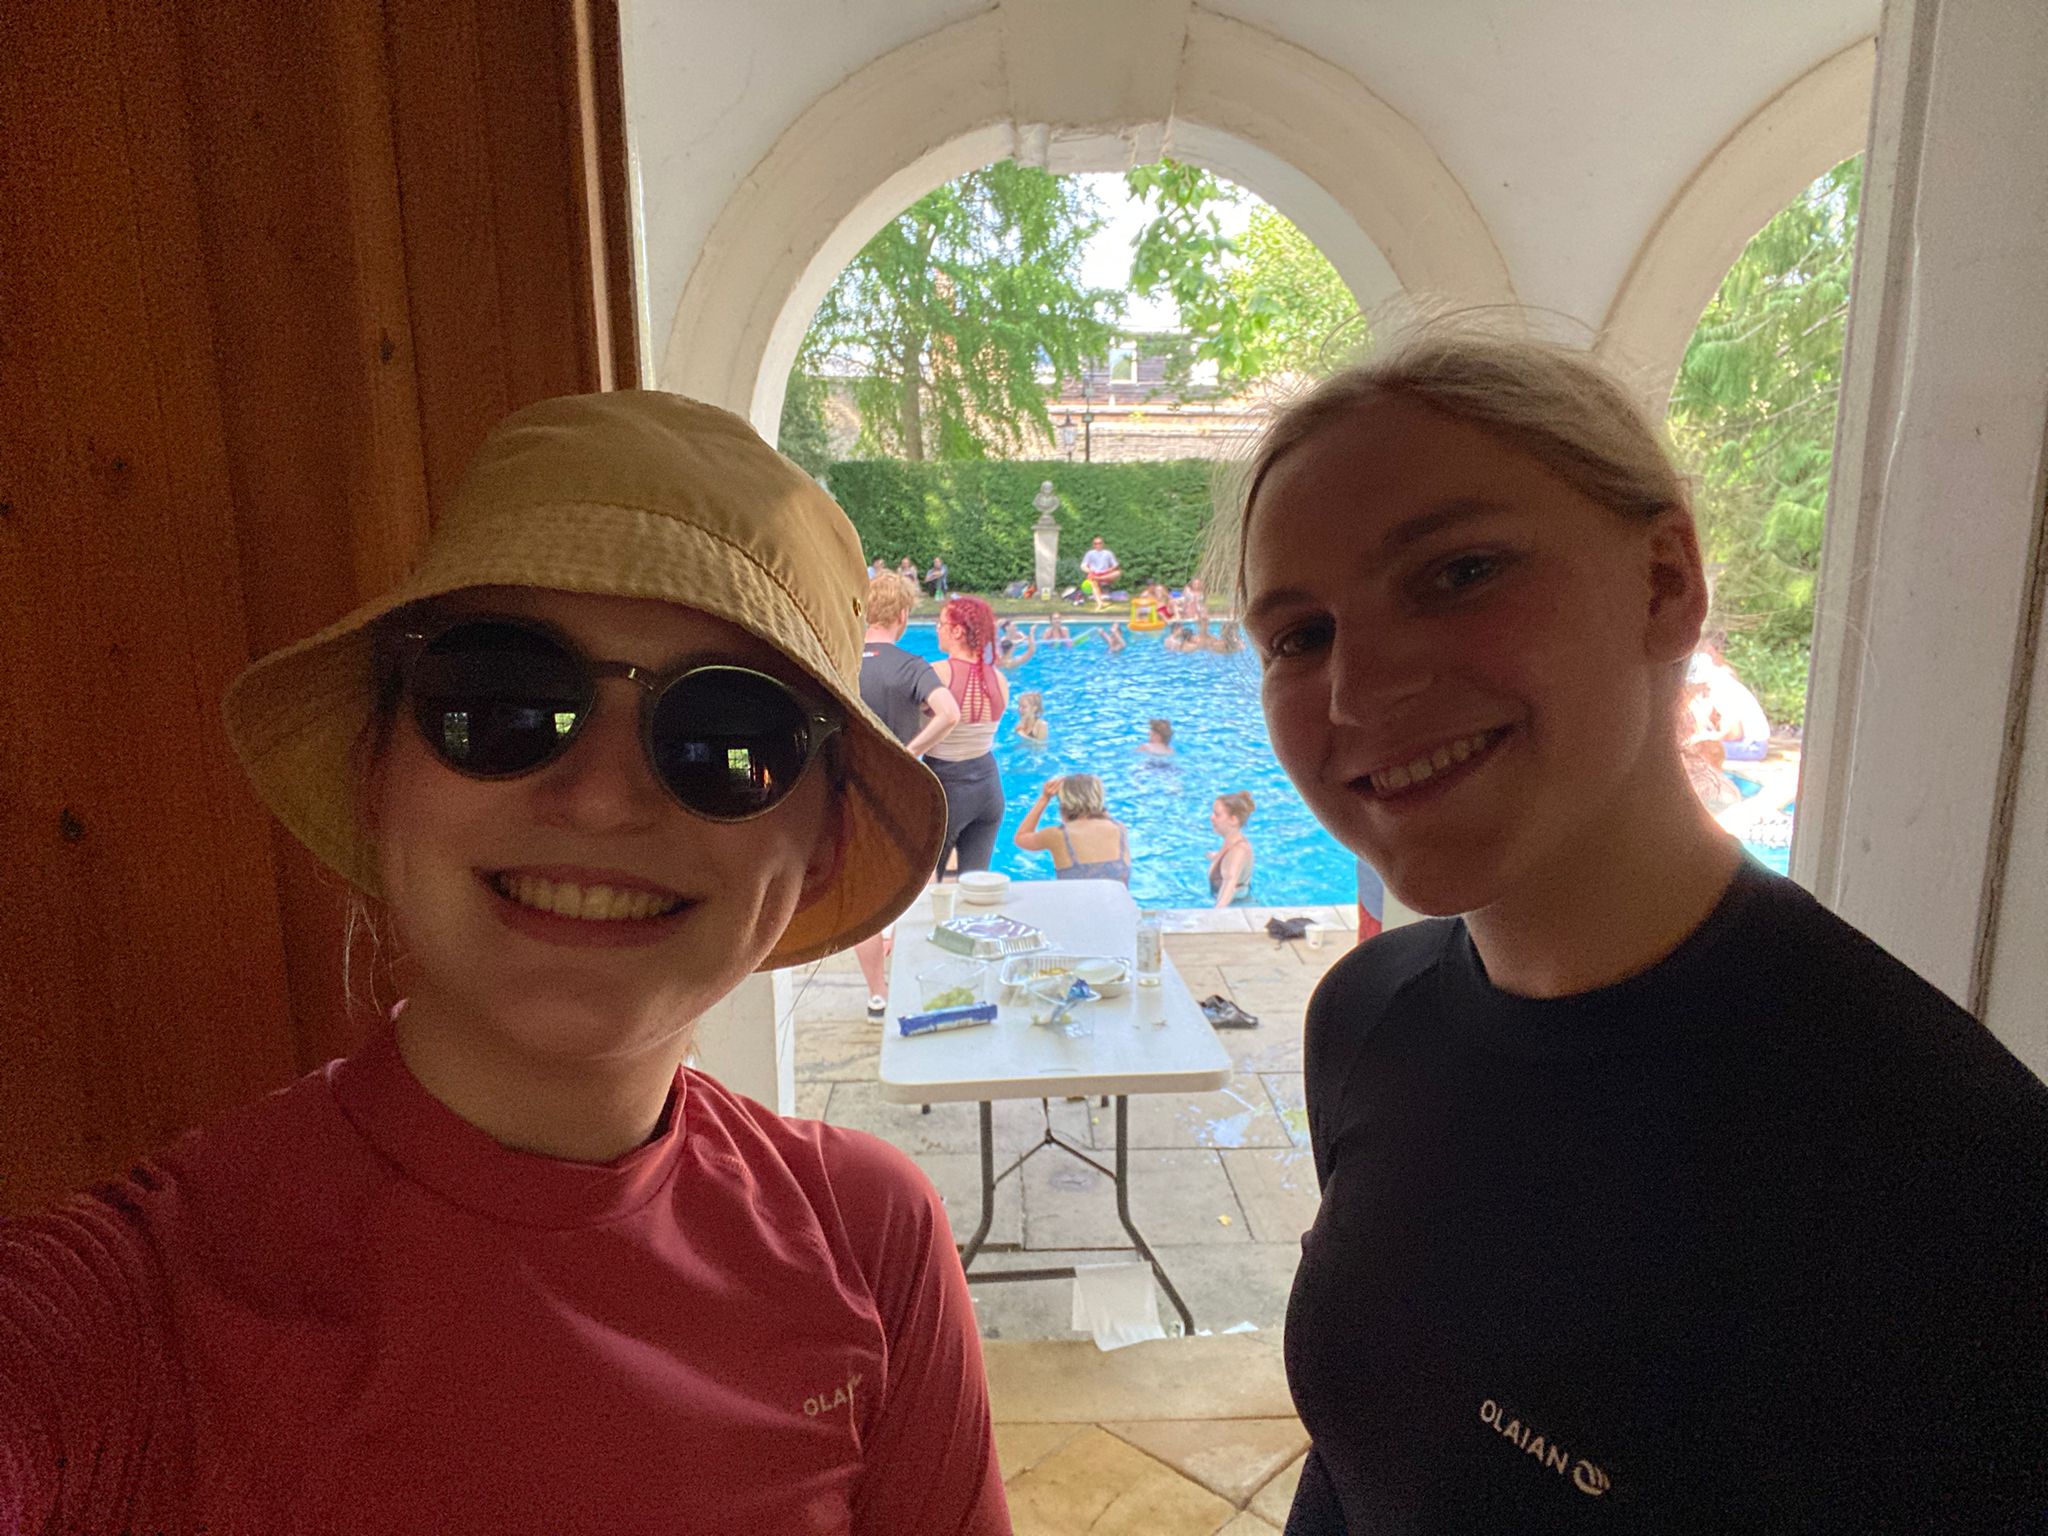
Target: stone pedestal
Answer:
pixel 1045 548
pixel 1045 538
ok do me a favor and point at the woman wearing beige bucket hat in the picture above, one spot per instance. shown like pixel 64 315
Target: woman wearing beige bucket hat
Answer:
pixel 512 1266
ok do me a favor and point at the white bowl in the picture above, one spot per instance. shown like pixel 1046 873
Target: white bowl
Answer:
pixel 983 887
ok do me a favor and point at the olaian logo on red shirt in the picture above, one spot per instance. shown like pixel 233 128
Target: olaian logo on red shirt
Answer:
pixel 1585 1477
pixel 833 1397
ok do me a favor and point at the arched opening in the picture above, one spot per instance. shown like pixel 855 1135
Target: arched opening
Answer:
pixel 1335 158
pixel 1752 414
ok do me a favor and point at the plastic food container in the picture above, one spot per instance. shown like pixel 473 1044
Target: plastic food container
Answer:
pixel 952 984
pixel 1106 974
pixel 983 887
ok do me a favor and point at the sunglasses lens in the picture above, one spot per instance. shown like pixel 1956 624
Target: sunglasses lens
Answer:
pixel 729 743
pixel 494 699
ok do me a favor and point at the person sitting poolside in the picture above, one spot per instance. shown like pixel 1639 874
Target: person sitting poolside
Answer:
pixel 1031 723
pixel 1087 844
pixel 1159 739
pixel 1100 571
pixel 1745 727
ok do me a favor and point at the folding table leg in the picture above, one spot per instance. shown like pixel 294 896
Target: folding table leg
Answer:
pixel 1123 1210
pixel 988 1185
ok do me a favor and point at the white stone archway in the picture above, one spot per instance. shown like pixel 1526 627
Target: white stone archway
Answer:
pixel 1815 123
pixel 1168 78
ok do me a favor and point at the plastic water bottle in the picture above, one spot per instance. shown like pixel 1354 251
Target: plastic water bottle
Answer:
pixel 1149 950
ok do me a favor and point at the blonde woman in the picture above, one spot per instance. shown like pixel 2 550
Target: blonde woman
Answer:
pixel 1031 723
pixel 512 1266
pixel 1653 1194
pixel 1087 843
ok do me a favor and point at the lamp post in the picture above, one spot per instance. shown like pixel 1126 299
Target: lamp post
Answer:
pixel 1087 422
pixel 1045 533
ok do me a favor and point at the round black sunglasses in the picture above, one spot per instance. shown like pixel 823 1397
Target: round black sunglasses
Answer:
pixel 496 697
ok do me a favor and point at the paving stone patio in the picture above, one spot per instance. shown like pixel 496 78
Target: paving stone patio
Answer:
pixel 1222 1184
pixel 1179 1437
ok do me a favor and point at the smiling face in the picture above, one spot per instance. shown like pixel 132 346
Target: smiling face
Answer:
pixel 468 865
pixel 1468 665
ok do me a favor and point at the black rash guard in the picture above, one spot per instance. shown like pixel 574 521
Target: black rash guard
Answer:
pixel 1756 1240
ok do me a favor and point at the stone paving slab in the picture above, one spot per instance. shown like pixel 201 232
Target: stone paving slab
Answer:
pixel 1223 1285
pixel 1239 1114
pixel 957 1177
pixel 1235 1376
pixel 1276 1190
pixel 1102 1485
pixel 1180 1195
pixel 1277 1497
pixel 1285 1089
pixel 1232 1458
pixel 1019 1123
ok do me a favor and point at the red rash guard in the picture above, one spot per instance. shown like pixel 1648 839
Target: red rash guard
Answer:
pixel 345 1309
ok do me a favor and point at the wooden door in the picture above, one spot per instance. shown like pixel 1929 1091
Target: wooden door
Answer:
pixel 267 274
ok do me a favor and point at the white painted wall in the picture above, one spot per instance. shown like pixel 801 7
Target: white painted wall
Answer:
pixel 1922 806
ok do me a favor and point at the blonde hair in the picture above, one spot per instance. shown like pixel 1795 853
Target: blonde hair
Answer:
pixel 890 600
pixel 1030 706
pixel 1081 797
pixel 1238 804
pixel 1553 402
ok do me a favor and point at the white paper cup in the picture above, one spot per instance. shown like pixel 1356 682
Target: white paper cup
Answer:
pixel 942 904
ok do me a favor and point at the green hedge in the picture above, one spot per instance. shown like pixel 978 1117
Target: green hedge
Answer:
pixel 978 514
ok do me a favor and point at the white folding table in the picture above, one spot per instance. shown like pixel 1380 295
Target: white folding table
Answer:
pixel 1150 1040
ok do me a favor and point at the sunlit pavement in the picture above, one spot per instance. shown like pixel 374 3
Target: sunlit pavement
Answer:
pixel 1175 1436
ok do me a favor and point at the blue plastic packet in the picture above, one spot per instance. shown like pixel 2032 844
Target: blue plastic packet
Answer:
pixel 946 1018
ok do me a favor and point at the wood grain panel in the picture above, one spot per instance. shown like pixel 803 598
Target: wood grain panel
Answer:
pixel 255 312
pixel 144 983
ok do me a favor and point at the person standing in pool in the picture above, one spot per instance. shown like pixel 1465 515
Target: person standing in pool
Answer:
pixel 1230 866
pixel 1013 646
pixel 1088 843
pixel 1031 723
pixel 1654 1196
pixel 964 759
pixel 513 1266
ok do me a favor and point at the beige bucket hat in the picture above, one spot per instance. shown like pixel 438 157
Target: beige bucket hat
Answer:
pixel 633 493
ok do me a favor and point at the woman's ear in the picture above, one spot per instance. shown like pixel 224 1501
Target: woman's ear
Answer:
pixel 828 854
pixel 1677 587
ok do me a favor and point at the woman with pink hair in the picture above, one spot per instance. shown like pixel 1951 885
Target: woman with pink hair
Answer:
pixel 965 759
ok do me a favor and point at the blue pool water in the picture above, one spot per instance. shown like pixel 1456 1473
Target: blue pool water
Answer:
pixel 1097 704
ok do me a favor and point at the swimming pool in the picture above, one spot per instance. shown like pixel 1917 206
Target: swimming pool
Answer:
pixel 1097 704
